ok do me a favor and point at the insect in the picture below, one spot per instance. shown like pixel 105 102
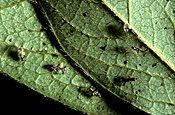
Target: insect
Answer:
pixel 133 32
pixel 137 49
pixel 95 92
pixel 21 53
pixel 85 14
pixel 58 67
pixel 127 28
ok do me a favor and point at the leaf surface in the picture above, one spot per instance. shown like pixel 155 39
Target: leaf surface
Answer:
pixel 94 39
pixel 153 21
pixel 20 26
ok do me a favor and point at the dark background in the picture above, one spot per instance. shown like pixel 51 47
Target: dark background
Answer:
pixel 16 98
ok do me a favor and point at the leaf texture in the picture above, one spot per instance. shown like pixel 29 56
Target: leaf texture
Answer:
pixel 19 26
pixel 95 40
pixel 153 21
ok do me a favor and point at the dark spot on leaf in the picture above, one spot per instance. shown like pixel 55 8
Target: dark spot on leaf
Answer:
pixel 144 54
pixel 103 48
pixel 32 48
pixel 165 28
pixel 10 40
pixel 125 62
pixel 154 65
pixel 43 89
pixel 19 77
pixel 44 44
pixel 17 4
pixel 171 104
pixel 54 55
pixel 85 14
pixel 64 5
pixel 156 23
pixel 14 55
pixel 113 30
pixel 173 10
pixel 98 108
pixel 167 0
pixel 139 90
pixel 103 108
pixel 30 30
pixel 136 92
pixel 162 84
pixel 59 98
pixel 140 64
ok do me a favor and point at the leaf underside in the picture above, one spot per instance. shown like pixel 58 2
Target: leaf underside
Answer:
pixel 153 20
pixel 93 37
pixel 20 26
pixel 96 42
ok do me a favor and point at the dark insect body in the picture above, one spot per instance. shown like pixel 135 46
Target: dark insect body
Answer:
pixel 137 49
pixel 56 68
pixel 127 28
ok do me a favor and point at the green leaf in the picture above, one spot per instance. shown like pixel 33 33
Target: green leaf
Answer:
pixel 153 21
pixel 94 38
pixel 21 30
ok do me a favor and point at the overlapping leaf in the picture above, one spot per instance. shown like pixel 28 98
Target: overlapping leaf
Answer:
pixel 154 22
pixel 94 39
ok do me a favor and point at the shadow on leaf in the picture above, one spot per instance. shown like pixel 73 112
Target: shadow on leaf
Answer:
pixel 119 106
pixel 113 30
pixel 48 67
pixel 12 53
pixel 85 92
